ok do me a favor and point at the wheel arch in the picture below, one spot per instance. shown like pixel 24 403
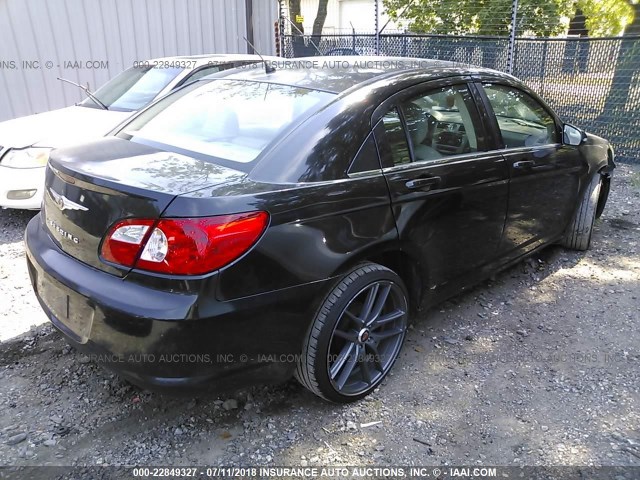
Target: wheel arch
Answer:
pixel 401 262
pixel 605 172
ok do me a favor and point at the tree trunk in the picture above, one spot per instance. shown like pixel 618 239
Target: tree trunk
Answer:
pixel 321 16
pixel 297 29
pixel 294 13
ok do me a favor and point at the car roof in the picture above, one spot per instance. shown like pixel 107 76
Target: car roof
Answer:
pixel 212 59
pixel 336 74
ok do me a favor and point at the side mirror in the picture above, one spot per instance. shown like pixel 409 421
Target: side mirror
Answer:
pixel 573 135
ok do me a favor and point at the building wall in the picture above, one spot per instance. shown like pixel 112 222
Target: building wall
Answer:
pixel 265 16
pixel 59 37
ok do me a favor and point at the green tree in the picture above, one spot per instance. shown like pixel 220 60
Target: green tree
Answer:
pixel 321 17
pixel 607 17
pixel 493 17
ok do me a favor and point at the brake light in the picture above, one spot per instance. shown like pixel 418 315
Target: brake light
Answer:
pixel 183 246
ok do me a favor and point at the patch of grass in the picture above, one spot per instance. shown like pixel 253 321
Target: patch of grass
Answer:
pixel 635 180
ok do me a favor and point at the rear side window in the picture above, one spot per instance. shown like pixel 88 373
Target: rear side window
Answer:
pixel 210 70
pixel 203 72
pixel 522 120
pixel 434 125
pixel 134 88
pixel 367 158
pixel 441 123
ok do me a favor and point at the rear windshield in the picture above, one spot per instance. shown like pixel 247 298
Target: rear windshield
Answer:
pixel 232 120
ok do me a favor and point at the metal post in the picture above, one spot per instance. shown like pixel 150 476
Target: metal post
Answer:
pixel 404 44
pixel 282 28
pixel 543 64
pixel 512 36
pixel 353 37
pixel 377 28
pixel 248 6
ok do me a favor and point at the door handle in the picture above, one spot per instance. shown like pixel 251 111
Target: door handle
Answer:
pixel 523 164
pixel 423 183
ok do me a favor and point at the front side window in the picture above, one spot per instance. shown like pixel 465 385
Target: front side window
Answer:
pixel 134 88
pixel 523 121
pixel 231 120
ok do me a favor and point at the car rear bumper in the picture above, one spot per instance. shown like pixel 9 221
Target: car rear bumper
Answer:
pixel 164 339
pixel 14 181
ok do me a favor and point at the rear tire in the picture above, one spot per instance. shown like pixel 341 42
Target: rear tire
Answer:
pixel 579 232
pixel 356 335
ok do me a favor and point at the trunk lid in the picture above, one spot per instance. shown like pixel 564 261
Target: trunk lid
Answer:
pixel 91 186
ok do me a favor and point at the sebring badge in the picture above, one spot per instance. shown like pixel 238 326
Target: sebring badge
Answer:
pixel 63 233
pixel 64 203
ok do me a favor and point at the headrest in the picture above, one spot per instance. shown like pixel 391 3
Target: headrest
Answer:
pixel 221 124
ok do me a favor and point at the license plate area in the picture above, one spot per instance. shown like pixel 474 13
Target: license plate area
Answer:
pixel 70 311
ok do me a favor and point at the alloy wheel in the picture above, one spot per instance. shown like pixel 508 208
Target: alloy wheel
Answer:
pixel 367 338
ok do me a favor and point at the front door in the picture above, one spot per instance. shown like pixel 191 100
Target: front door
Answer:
pixel 545 174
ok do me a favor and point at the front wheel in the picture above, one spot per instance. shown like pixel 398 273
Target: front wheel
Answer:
pixel 579 232
pixel 356 335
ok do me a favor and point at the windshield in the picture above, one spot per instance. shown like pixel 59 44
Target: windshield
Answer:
pixel 231 120
pixel 134 88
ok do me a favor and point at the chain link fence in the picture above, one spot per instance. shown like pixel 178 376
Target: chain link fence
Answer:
pixel 593 83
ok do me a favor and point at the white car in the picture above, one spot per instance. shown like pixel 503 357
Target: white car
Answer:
pixel 25 143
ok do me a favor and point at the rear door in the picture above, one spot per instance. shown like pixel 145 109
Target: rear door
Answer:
pixel 545 174
pixel 449 195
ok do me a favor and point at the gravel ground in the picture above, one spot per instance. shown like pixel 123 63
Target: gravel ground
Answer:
pixel 20 309
pixel 536 367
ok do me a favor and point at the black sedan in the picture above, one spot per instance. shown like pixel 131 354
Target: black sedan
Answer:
pixel 263 224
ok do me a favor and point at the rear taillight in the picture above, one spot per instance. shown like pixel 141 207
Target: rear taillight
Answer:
pixel 123 241
pixel 183 246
